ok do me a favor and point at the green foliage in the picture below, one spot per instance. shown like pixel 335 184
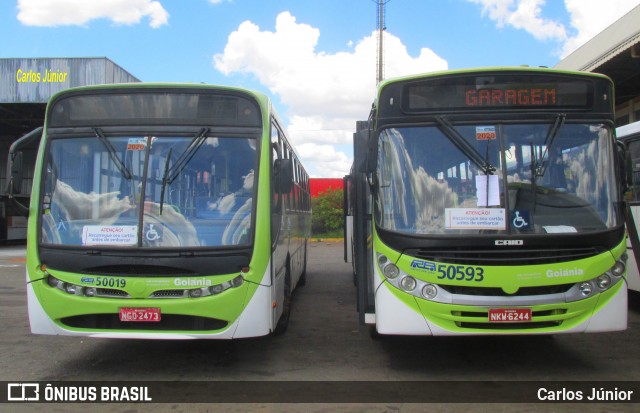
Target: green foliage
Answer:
pixel 327 212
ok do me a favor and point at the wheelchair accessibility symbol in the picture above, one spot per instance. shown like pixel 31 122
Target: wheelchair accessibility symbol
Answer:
pixel 521 220
pixel 152 232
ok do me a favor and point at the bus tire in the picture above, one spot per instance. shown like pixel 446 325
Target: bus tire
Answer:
pixel 283 322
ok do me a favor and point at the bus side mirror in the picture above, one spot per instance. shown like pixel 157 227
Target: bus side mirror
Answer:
pixel 15 171
pixel 365 151
pixel 283 175
pixel 372 154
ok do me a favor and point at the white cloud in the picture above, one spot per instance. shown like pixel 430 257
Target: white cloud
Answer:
pixel 327 161
pixel 325 94
pixel 590 17
pixel 525 15
pixel 587 18
pixel 51 13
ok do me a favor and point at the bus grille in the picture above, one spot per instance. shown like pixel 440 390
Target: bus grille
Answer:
pixel 169 322
pixel 507 256
pixel 539 319
pixel 169 294
pixel 111 293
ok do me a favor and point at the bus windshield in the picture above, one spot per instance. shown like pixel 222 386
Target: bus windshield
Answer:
pixel 496 178
pixel 149 191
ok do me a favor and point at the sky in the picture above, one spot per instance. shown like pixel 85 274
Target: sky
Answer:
pixel 315 59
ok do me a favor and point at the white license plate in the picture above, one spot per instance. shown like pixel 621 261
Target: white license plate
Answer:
pixel 145 315
pixel 509 315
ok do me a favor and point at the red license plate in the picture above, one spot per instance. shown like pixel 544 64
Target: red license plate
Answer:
pixel 509 315
pixel 144 315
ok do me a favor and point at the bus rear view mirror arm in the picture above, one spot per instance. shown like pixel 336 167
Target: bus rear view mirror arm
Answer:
pixel 15 168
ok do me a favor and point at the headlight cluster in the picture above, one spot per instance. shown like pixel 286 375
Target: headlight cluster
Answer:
pixel 406 282
pixel 207 291
pixel 85 291
pixel 599 284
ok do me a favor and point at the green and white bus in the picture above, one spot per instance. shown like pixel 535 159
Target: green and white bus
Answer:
pixel 163 211
pixel 629 136
pixel 488 201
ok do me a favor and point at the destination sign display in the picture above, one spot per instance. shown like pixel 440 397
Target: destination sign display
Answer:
pixel 498 91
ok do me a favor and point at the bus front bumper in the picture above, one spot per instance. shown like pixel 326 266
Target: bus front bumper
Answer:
pixel 602 312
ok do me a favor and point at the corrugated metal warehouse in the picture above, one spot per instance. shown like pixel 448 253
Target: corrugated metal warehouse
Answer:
pixel 26 84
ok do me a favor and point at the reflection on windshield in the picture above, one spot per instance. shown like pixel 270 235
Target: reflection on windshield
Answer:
pixel 208 202
pixel 429 185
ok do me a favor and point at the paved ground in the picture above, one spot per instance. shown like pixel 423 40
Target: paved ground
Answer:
pixel 324 343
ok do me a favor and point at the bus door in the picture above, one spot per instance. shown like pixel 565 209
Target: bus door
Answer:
pixel 362 246
pixel 633 214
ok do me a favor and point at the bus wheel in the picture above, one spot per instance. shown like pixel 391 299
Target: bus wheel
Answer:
pixel 283 322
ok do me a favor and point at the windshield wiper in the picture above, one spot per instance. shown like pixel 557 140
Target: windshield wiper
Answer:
pixel 164 178
pixel 175 169
pixel 461 143
pixel 539 165
pixel 171 173
pixel 113 154
pixel 548 141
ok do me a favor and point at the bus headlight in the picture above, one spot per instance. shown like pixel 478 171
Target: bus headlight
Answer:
pixel 603 281
pixel 53 281
pixel 195 293
pixel 216 289
pixel 429 291
pixel 391 271
pixel 408 283
pixel 73 289
pixel 585 288
pixel 234 283
pixel 414 285
pixel 600 284
pixel 237 282
pixel 618 269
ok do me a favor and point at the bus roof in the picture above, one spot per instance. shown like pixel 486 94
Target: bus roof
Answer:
pixel 493 69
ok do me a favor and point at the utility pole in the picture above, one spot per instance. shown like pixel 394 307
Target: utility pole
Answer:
pixel 381 26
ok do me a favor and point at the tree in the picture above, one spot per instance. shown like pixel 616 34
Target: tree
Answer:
pixel 328 214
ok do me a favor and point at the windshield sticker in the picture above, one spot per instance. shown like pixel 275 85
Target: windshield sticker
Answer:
pixel 559 229
pixel 110 235
pixel 521 220
pixel 137 144
pixel 485 133
pixel 475 218
pixel 153 232
pixel 488 190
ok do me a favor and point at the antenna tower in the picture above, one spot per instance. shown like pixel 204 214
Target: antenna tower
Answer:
pixel 381 27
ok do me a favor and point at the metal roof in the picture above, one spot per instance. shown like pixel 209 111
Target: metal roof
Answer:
pixel 614 52
pixel 35 80
pixel 26 84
